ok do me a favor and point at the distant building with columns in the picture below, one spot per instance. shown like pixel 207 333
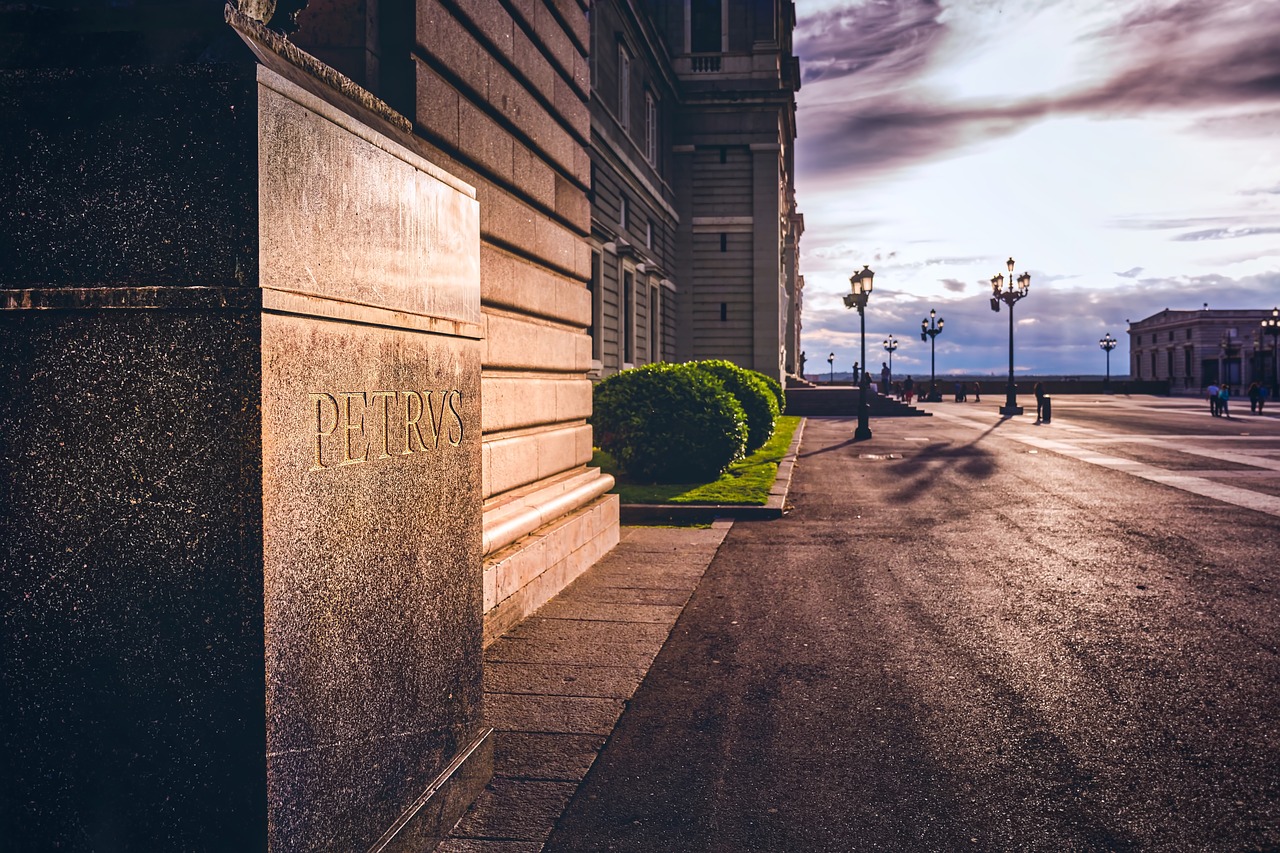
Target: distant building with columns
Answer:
pixel 1192 349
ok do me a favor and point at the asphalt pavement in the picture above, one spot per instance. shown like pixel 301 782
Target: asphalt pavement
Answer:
pixel 970 633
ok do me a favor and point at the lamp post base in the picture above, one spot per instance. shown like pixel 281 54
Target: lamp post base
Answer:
pixel 1011 411
pixel 863 431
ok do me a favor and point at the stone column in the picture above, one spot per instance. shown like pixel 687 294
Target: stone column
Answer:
pixel 241 346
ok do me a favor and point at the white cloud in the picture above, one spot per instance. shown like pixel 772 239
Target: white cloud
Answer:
pixel 1118 155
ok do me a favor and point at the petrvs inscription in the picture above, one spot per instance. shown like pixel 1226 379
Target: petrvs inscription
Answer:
pixel 354 427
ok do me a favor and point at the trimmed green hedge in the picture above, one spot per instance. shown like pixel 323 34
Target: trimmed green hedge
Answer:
pixel 753 394
pixel 668 423
pixel 776 387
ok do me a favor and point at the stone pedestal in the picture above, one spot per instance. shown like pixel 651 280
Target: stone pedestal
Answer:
pixel 240 435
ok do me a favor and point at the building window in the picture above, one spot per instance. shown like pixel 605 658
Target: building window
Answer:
pixel 648 234
pixel 724 242
pixel 624 87
pixel 650 128
pixel 655 324
pixel 1187 366
pixel 623 214
pixel 628 318
pixel 1169 360
pixel 724 311
pixel 705 26
pixel 597 308
pixel 1188 334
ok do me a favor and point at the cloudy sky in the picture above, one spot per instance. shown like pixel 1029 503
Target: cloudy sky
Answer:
pixel 1126 153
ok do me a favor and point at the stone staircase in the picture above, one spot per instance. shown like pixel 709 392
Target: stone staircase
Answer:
pixel 838 401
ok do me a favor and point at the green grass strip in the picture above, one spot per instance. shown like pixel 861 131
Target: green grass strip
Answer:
pixel 746 481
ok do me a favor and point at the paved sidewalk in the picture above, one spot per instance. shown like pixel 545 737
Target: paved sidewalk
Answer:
pixel 556 684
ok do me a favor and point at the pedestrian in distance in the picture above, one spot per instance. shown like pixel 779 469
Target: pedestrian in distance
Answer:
pixel 977 392
pixel 1039 390
pixel 1254 391
pixel 908 389
pixel 1264 391
pixel 1213 399
pixel 1224 396
pixel 885 376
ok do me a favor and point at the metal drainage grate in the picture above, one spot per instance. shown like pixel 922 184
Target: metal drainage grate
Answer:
pixel 879 455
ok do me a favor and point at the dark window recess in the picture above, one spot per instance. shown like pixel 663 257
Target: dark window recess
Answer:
pixel 655 309
pixel 724 242
pixel 724 155
pixel 628 319
pixel 597 308
pixel 724 311
pixel 704 26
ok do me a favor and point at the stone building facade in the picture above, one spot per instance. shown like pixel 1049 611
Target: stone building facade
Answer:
pixel 695 230
pixel 1192 349
pixel 498 94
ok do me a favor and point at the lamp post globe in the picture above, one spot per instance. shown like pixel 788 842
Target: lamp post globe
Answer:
pixel 1009 293
pixel 860 284
pixel 1108 343
pixel 831 364
pixel 930 328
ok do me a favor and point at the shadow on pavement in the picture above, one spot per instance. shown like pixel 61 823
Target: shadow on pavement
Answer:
pixel 919 470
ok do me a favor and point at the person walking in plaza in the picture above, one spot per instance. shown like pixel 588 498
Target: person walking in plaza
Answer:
pixel 1213 399
pixel 886 378
pixel 977 392
pixel 1224 395
pixel 908 389
pixel 1253 397
pixel 1039 390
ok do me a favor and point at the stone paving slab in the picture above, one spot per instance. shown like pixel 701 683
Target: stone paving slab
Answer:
pixel 595 610
pixel 637 653
pixel 537 755
pixel 517 712
pixel 528 814
pixel 559 679
pixel 607 594
pixel 556 684
pixel 481 845
pixel 588 630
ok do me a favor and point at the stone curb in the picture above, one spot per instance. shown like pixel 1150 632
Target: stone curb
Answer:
pixel 704 513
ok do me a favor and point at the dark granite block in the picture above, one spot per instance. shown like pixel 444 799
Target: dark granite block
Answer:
pixel 132 688
pixel 129 177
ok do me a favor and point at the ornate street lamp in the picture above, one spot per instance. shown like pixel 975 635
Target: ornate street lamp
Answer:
pixel 1108 343
pixel 1009 295
pixel 1271 326
pixel 831 362
pixel 929 330
pixel 861 284
pixel 890 345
